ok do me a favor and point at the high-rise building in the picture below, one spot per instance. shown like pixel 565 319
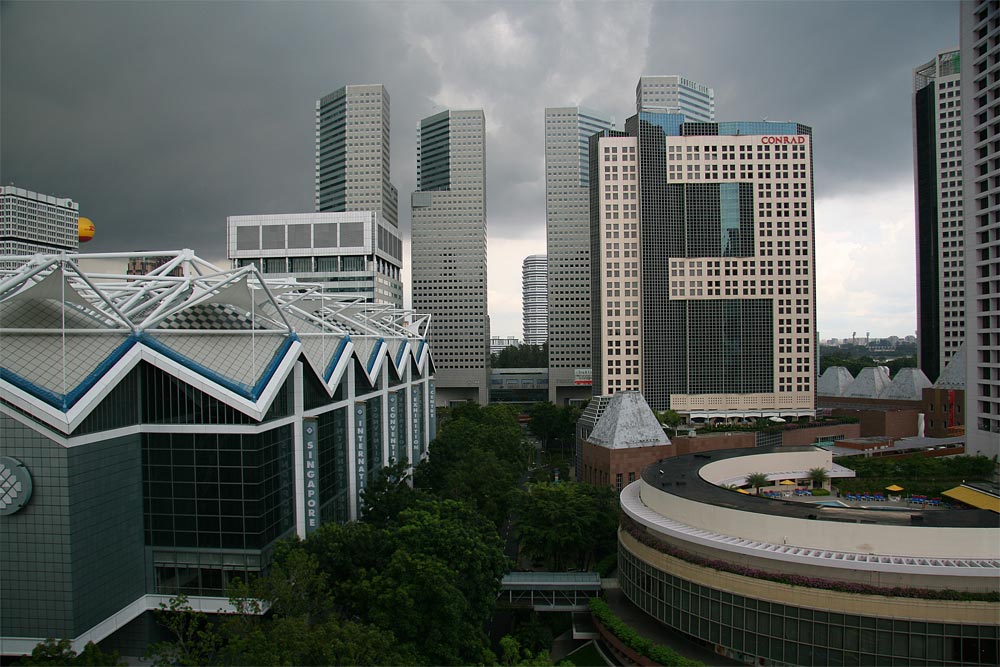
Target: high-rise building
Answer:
pixel 534 299
pixel 704 275
pixel 33 223
pixel 675 94
pixel 567 231
pixel 352 152
pixel 449 250
pixel 937 131
pixel 353 254
pixel 981 187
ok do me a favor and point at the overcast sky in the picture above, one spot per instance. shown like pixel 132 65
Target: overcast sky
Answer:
pixel 162 118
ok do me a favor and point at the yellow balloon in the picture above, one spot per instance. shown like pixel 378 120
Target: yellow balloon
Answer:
pixel 85 230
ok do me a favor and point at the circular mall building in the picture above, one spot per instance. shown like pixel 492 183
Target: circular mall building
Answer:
pixel 791 582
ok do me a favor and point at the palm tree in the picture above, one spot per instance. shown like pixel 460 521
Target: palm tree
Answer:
pixel 757 480
pixel 818 476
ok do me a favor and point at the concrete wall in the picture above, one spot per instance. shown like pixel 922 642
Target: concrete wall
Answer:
pixel 931 542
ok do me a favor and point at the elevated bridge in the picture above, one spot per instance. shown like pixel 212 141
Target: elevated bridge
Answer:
pixel 549 591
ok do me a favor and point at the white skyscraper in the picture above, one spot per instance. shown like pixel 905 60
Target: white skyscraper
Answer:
pixel 981 176
pixel 567 230
pixel 937 132
pixel 675 94
pixel 534 299
pixel 35 223
pixel 449 251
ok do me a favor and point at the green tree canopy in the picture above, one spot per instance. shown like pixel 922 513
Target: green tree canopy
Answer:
pixel 566 524
pixel 521 356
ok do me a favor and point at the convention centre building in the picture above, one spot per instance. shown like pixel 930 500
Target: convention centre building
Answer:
pixel 160 433
pixel 778 582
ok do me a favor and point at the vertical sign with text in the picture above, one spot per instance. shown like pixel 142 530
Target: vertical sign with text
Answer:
pixel 360 447
pixel 311 470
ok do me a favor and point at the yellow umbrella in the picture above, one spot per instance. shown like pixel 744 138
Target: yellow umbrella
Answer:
pixel 743 491
pixel 787 482
pixel 894 487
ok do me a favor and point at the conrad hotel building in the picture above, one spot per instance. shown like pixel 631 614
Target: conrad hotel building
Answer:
pixel 703 274
pixel 160 433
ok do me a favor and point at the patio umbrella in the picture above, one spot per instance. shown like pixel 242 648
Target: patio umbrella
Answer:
pixel 894 488
pixel 786 482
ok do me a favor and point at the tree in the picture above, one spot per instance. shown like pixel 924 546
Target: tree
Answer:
pixel 521 356
pixel 553 423
pixel 818 477
pixel 670 418
pixel 60 652
pixel 388 493
pixel 757 480
pixel 195 639
pixel 566 524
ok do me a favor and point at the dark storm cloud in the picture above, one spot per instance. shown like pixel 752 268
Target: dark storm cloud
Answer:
pixel 163 118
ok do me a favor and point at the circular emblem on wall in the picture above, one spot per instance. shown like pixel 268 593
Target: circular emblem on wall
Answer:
pixel 15 485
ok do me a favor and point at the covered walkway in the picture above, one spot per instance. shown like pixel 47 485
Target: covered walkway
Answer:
pixel 549 591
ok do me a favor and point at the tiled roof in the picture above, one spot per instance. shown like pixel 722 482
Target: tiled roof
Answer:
pixel 953 375
pixel 628 422
pixel 907 385
pixel 834 381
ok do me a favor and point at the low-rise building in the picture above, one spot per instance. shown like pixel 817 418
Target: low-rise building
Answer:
pixel 159 434
pixel 772 581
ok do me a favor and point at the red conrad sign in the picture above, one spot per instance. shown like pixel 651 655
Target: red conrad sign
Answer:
pixel 797 139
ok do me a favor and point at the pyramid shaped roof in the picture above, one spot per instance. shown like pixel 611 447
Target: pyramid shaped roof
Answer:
pixel 834 381
pixel 908 385
pixel 628 422
pixel 953 375
pixel 870 383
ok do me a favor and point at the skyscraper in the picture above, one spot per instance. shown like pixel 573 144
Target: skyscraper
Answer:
pixel 35 223
pixel 352 176
pixel 567 230
pixel 352 152
pixel 704 288
pixel 449 250
pixel 981 188
pixel 534 299
pixel 354 254
pixel 937 132
pixel 675 94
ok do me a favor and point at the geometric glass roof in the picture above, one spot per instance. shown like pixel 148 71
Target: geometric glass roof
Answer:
pixel 65 333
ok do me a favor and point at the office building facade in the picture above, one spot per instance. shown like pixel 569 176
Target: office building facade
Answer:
pixel 704 291
pixel 449 250
pixel 937 132
pixel 33 223
pixel 354 254
pixel 534 299
pixel 980 46
pixel 675 94
pixel 160 434
pixel 567 235
pixel 352 153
